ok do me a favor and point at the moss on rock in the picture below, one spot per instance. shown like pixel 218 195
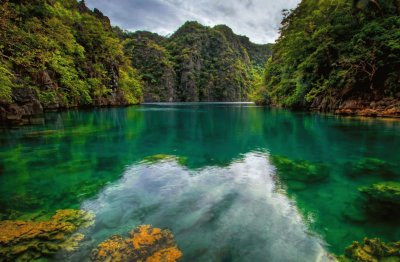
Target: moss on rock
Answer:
pixel 383 198
pixel 145 243
pixel 372 167
pixel 164 157
pixel 299 170
pixel 372 250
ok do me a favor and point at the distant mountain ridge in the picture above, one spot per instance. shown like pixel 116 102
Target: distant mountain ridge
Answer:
pixel 196 63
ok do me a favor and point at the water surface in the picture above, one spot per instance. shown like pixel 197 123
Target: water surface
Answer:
pixel 208 172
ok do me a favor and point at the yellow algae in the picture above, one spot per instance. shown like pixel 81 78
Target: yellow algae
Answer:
pixel 170 254
pixel 145 235
pixel 372 250
pixel 145 243
pixel 27 240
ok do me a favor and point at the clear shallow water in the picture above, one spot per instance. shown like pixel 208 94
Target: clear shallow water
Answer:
pixel 221 193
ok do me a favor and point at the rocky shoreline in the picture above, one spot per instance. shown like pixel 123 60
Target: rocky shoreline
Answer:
pixel 26 108
pixel 384 107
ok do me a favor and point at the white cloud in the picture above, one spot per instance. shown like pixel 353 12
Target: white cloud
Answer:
pixel 257 19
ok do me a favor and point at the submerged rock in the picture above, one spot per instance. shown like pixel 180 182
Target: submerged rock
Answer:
pixel 383 198
pixel 299 170
pixel 145 243
pixel 354 213
pixel 372 166
pixel 164 157
pixel 43 133
pixel 29 240
pixel 372 250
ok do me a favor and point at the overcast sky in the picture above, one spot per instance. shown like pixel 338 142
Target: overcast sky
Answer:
pixel 257 19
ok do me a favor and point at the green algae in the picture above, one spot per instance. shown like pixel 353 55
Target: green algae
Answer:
pixel 383 199
pixel 164 157
pixel 369 166
pixel 300 171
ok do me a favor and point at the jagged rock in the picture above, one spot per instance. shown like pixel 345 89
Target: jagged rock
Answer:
pixel 299 170
pixel 372 250
pixel 29 240
pixel 145 243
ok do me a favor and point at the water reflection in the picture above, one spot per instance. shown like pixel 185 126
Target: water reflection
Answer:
pixel 228 213
pixel 79 153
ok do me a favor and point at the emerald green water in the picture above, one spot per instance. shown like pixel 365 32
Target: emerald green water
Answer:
pixel 220 191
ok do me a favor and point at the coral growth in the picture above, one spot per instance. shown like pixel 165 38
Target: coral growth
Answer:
pixel 145 243
pixel 299 170
pixel 372 250
pixel 29 240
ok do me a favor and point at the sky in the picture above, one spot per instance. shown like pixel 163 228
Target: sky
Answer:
pixel 257 19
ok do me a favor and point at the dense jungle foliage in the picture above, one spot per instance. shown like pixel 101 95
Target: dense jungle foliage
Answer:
pixel 332 51
pixel 197 63
pixel 62 54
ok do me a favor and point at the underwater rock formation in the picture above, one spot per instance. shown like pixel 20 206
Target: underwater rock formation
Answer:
pixel 163 157
pixel 372 250
pixel 383 198
pixel 29 240
pixel 145 243
pixel 372 166
pixel 299 170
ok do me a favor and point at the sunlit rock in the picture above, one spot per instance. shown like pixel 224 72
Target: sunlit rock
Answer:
pixel 299 170
pixel 145 243
pixel 372 250
pixel 28 240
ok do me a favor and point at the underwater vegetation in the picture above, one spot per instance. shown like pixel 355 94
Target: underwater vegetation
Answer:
pixel 369 166
pixel 30 240
pixel 145 243
pixel 163 157
pixel 372 250
pixel 383 199
pixel 300 171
